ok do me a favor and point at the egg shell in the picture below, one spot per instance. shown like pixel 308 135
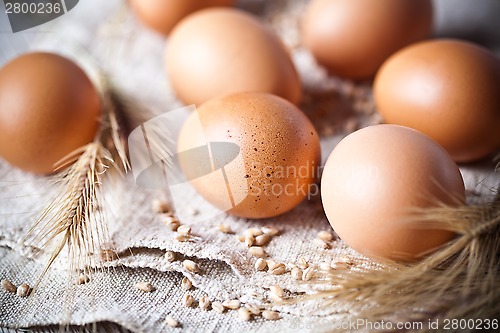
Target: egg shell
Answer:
pixel 352 38
pixel 163 15
pixel 278 146
pixel 219 51
pixel 48 108
pixel 447 89
pixel 373 180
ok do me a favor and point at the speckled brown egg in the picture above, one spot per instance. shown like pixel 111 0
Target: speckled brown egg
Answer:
pixel 271 160
pixel 163 15
pixel 220 51
pixel 352 38
pixel 374 180
pixel 447 89
pixel 48 108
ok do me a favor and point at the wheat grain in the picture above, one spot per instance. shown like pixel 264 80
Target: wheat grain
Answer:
pixel 270 315
pixel 253 309
pixel 278 269
pixel 308 274
pixel 184 230
pixel 204 302
pixel 296 273
pixel 277 290
pixel 257 251
pixel 186 283
pixel 171 321
pixel 262 240
pixel 188 300
pixel 170 256
pixel 232 304
pixel 23 290
pixel 270 231
pixel 144 286
pixel 217 306
pixel 325 235
pixel 260 264
pixel 253 232
pixel 191 266
pixel 224 228
pixel 321 243
pixel 160 206
pixel 8 286
pixel 244 314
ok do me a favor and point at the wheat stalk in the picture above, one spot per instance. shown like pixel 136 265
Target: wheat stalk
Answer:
pixel 461 280
pixel 73 218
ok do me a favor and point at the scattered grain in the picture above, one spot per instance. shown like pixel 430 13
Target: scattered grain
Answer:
pixel 204 302
pixel 321 243
pixel 253 309
pixel 170 221
pixel 171 321
pixel 144 286
pixel 232 304
pixel 8 286
pixel 182 238
pixel 224 228
pixel 249 240
pixel 191 266
pixel 160 206
pixel 271 264
pixel 302 264
pixel 277 290
pixel 271 231
pixel 257 251
pixel 275 298
pixel 308 274
pixel 170 256
pixel 270 315
pixel 339 265
pixel 262 240
pixel 260 264
pixel 184 230
pixel 186 283
pixel 23 290
pixel 253 231
pixel 325 235
pixel 187 300
pixel 217 306
pixel 82 279
pixel 244 314
pixel 240 238
pixel 324 266
pixel 297 273
pixel 278 270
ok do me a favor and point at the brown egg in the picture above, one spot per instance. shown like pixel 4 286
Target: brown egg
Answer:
pixel 447 89
pixel 264 152
pixel 163 15
pixel 217 52
pixel 48 108
pixel 375 177
pixel 352 38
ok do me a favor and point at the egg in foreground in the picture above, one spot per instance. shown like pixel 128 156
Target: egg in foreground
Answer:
pixel 274 164
pixel 48 108
pixel 373 180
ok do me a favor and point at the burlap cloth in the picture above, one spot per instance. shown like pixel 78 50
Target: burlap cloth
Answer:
pixel 107 34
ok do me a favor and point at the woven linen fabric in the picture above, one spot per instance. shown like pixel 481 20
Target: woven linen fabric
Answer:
pixel 107 34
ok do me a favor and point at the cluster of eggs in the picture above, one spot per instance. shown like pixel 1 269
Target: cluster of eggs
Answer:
pixel 438 96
